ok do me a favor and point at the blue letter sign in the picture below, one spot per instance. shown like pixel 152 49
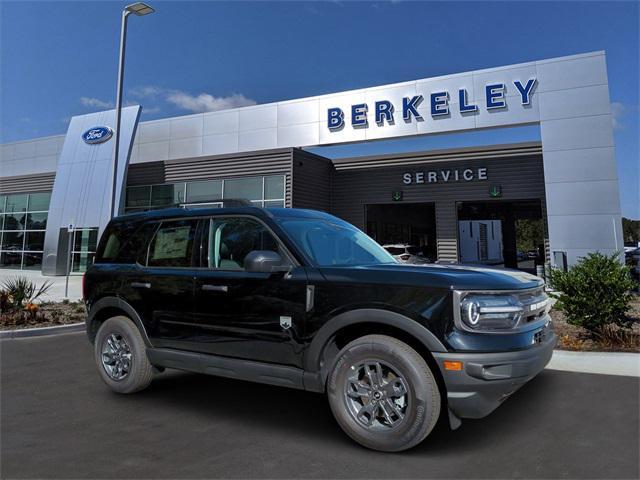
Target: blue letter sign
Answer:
pixel 335 118
pixel 464 106
pixel 384 110
pixel 440 106
pixel 410 107
pixel 525 92
pixel 359 115
pixel 495 96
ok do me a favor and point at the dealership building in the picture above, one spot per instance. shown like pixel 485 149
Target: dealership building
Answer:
pixel 514 205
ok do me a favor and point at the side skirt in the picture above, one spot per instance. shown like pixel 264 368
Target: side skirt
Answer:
pixel 240 369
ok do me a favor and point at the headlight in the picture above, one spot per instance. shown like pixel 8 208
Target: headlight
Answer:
pixel 500 311
pixel 490 312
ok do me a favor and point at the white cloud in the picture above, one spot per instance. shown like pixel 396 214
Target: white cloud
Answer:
pixel 206 102
pixel 95 102
pixel 203 102
pixel 617 111
pixel 147 91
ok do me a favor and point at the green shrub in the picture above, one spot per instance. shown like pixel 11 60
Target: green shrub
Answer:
pixel 595 292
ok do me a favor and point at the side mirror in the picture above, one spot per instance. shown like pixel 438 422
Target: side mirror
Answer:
pixel 264 261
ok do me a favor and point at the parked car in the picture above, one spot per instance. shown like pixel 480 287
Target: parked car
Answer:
pixel 302 299
pixel 632 259
pixel 405 253
pixel 533 253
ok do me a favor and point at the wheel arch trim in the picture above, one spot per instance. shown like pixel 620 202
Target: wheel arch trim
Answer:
pixel 115 302
pixel 313 355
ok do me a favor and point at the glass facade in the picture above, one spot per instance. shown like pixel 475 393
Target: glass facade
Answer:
pixel 85 241
pixel 23 221
pixel 265 191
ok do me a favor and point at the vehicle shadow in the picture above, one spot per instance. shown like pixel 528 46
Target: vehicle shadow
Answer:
pixel 305 413
pixel 261 405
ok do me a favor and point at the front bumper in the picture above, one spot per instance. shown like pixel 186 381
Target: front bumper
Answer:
pixel 486 379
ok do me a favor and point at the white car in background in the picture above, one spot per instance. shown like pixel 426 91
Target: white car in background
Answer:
pixel 405 253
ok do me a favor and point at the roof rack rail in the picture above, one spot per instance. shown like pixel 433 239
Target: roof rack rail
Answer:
pixel 226 203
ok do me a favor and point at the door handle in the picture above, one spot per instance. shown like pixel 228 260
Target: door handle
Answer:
pixel 140 284
pixel 215 288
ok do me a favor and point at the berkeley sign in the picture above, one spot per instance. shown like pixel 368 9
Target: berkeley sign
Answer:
pixel 384 110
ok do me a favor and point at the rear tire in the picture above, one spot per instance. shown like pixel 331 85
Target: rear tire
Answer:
pixel 383 394
pixel 121 357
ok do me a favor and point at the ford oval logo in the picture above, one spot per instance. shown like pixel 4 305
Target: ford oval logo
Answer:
pixel 97 135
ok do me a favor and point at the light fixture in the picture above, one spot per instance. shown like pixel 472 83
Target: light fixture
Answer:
pixel 139 9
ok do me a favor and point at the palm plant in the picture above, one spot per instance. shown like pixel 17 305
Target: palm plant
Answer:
pixel 20 292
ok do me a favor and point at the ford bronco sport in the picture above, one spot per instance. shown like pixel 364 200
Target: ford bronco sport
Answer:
pixel 302 299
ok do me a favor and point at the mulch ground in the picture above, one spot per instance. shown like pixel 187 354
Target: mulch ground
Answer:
pixel 572 337
pixel 49 314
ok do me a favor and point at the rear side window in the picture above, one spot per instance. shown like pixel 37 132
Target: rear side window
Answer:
pixel 172 245
pixel 121 243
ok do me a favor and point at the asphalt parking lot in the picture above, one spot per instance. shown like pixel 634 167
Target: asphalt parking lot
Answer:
pixel 60 421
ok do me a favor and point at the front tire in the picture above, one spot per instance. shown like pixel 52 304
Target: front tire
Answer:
pixel 383 394
pixel 121 357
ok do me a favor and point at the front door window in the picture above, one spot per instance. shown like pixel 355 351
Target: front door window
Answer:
pixel 229 240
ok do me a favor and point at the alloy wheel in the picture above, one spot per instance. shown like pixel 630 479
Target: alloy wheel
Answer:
pixel 376 395
pixel 116 356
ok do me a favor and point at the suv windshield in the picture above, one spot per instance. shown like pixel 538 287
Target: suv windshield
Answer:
pixel 335 243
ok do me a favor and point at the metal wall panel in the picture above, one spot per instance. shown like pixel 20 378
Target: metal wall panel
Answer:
pixel 41 182
pixel 186 127
pixel 185 147
pixel 81 193
pixel 30 157
pixel 149 173
pixel 312 181
pixel 249 140
pixel 226 121
pixel 220 143
pixel 594 163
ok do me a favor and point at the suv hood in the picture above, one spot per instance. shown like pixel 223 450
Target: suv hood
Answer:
pixel 462 277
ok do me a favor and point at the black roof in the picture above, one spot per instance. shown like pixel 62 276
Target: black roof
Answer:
pixel 177 212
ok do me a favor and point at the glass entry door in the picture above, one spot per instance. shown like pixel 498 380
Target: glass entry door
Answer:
pixel 83 250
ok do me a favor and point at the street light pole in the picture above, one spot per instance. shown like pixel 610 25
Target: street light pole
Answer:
pixel 123 41
pixel 139 9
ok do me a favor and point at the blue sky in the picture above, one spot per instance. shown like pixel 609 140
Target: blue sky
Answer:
pixel 59 59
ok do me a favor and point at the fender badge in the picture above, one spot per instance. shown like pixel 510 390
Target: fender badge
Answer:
pixel 285 322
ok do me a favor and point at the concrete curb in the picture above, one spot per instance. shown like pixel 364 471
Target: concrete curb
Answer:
pixel 42 331
pixel 606 363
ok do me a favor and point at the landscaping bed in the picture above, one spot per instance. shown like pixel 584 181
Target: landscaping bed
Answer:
pixel 572 337
pixel 48 314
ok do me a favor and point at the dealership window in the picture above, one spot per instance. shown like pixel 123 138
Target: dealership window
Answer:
pixel 23 221
pixel 83 252
pixel 262 191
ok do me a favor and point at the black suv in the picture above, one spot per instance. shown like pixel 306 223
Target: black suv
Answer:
pixel 302 299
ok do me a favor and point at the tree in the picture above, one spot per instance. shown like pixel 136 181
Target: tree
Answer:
pixel 630 230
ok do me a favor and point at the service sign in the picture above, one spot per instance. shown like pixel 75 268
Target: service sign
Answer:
pixel 445 176
pixel 97 135
pixel 438 105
